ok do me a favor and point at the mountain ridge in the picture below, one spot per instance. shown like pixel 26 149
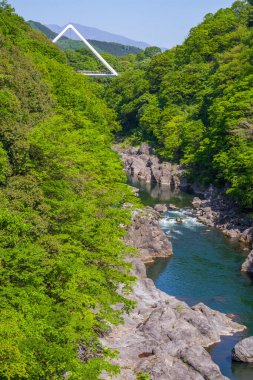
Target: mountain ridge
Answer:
pixel 66 43
pixel 99 35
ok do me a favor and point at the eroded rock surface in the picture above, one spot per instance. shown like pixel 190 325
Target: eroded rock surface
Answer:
pixel 163 336
pixel 247 266
pixel 141 164
pixel 214 208
pixel 243 351
pixel 217 210
pixel 146 235
pixel 161 208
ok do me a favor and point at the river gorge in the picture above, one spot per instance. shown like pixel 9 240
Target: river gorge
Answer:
pixel 205 268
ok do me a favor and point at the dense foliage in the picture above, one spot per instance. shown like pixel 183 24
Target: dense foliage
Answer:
pixel 83 59
pixel 121 57
pixel 62 191
pixel 195 102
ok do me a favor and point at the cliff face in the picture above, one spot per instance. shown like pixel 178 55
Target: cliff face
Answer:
pixel 143 165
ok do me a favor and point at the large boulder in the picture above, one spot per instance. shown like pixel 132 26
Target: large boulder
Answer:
pixel 146 235
pixel 196 202
pixel 247 235
pixel 232 233
pixel 138 167
pixel 247 266
pixel 243 351
pixel 161 208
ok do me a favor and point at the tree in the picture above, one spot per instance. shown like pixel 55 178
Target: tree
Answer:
pixel 151 51
pixel 6 7
pixel 197 101
pixel 62 191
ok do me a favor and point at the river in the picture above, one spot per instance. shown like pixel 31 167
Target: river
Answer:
pixel 205 268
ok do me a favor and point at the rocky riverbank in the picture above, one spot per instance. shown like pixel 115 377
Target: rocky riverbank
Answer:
pixel 147 237
pixel 216 210
pixel 212 208
pixel 163 336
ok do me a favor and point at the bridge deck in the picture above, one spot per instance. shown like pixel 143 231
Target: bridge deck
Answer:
pixel 96 74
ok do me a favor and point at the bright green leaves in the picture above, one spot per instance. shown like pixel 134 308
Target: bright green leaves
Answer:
pixel 236 167
pixel 210 37
pixel 12 229
pixel 5 168
pixel 196 104
pixel 9 104
pixel 62 191
pixel 13 360
pixel 5 6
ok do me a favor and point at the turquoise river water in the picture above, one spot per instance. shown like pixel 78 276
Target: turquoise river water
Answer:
pixel 205 268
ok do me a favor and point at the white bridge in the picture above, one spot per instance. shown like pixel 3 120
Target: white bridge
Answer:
pixel 113 73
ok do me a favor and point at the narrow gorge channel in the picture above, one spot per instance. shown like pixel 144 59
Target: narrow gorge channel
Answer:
pixel 205 268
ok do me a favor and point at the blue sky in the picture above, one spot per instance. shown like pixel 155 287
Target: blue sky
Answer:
pixel 158 22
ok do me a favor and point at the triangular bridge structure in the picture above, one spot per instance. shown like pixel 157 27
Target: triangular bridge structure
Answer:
pixel 112 73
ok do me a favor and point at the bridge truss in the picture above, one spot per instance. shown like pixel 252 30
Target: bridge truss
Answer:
pixel 113 73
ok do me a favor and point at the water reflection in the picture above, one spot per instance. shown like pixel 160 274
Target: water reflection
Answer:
pixel 242 371
pixel 152 193
pixel 156 191
pixel 158 267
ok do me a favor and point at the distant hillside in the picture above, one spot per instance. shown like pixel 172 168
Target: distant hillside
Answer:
pixel 101 46
pixel 42 28
pixel 104 47
pixel 100 35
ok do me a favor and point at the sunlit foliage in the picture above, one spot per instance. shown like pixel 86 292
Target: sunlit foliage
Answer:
pixel 61 196
pixel 194 102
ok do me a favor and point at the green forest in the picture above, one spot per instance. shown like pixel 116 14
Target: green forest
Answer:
pixel 194 103
pixel 62 188
pixel 62 191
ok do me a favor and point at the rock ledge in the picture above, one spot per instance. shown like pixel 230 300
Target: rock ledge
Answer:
pixel 163 336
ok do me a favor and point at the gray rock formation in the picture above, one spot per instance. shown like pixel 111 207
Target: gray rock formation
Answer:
pixel 243 351
pixel 217 210
pixel 166 338
pixel 247 266
pixel 247 235
pixel 141 164
pixel 163 336
pixel 161 208
pixel 146 235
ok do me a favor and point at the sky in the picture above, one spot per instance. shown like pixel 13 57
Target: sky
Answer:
pixel 163 23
